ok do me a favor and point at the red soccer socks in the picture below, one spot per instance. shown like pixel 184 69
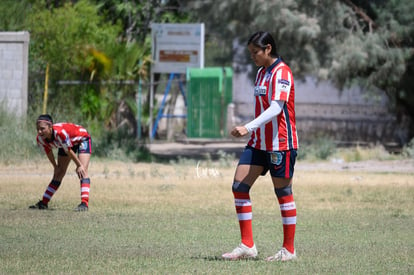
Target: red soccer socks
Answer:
pixel 288 213
pixel 50 191
pixel 244 212
pixel 85 187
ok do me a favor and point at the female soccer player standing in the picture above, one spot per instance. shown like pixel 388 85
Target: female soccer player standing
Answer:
pixel 70 139
pixel 272 147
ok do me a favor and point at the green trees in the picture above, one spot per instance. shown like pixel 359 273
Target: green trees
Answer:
pixel 78 45
pixel 378 51
pixel 96 52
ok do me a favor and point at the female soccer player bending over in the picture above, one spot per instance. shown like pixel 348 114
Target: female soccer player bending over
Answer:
pixel 73 143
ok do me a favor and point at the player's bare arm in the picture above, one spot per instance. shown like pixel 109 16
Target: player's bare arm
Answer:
pixel 51 158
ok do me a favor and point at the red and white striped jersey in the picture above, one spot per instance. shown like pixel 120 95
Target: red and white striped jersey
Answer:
pixel 65 135
pixel 279 134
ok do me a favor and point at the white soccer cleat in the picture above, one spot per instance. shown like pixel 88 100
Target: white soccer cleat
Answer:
pixel 241 252
pixel 282 255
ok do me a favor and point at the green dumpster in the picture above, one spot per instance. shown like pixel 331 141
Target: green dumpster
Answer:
pixel 209 91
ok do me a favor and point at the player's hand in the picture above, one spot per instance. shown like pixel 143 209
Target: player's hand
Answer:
pixel 81 172
pixel 239 131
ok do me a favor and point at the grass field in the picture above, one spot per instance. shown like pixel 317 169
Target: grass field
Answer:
pixel 179 218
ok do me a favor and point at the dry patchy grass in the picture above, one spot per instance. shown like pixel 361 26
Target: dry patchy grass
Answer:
pixel 358 217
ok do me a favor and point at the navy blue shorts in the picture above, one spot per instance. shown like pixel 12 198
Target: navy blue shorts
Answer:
pixel 281 164
pixel 85 147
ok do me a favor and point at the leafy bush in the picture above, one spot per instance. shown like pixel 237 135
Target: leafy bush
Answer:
pixel 321 148
pixel 359 153
pixel 121 146
pixel 408 149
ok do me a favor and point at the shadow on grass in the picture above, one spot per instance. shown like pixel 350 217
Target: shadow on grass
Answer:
pixel 219 258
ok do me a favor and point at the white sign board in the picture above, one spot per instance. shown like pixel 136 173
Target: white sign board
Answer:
pixel 176 47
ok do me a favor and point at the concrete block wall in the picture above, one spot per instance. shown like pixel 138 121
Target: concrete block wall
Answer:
pixel 14 63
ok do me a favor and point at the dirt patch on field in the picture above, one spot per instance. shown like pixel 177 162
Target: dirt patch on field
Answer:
pixel 378 166
pixel 201 150
pixel 214 150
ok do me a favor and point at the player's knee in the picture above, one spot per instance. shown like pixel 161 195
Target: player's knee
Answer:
pixel 86 180
pixel 60 172
pixel 240 187
pixel 284 191
pixel 56 183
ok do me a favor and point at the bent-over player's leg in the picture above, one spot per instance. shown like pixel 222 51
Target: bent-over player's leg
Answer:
pixel 84 155
pixel 59 172
pixel 85 182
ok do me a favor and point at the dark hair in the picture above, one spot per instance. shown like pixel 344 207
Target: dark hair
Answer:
pixel 45 117
pixel 261 39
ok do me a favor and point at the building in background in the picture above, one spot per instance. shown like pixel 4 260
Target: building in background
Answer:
pixel 14 63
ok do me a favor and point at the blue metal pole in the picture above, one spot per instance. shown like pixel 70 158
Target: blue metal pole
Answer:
pixel 160 111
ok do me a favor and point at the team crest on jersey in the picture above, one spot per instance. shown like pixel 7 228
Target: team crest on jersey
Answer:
pixel 267 77
pixel 276 158
pixel 260 91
